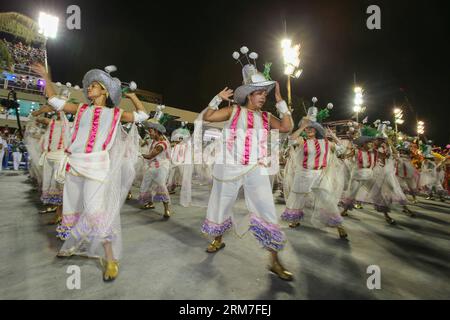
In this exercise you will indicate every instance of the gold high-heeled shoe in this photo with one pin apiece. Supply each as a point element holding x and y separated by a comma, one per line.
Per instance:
<point>129,196</point>
<point>149,205</point>
<point>111,271</point>
<point>215,246</point>
<point>294,224</point>
<point>48,210</point>
<point>281,272</point>
<point>166,213</point>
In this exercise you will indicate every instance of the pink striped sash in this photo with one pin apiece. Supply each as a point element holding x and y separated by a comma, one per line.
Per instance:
<point>263,139</point>
<point>77,121</point>
<point>94,129</point>
<point>50,136</point>
<point>324,164</point>
<point>248,137</point>
<point>61,139</point>
<point>360,159</point>
<point>233,126</point>
<point>318,152</point>
<point>305,154</point>
<point>112,129</point>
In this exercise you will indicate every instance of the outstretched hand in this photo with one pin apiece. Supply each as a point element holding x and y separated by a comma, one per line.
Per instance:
<point>226,94</point>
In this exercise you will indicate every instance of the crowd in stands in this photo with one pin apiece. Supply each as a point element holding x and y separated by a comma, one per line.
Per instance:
<point>24,55</point>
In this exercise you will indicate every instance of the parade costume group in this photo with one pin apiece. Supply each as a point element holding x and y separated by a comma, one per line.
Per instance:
<point>85,169</point>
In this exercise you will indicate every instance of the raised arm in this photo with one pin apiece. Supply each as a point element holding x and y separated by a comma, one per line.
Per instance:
<point>56,103</point>
<point>43,121</point>
<point>213,113</point>
<point>43,109</point>
<point>298,132</point>
<point>139,115</point>
<point>286,124</point>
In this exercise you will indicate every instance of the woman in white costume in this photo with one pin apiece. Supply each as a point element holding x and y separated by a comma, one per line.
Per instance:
<point>318,178</point>
<point>244,146</point>
<point>407,174</point>
<point>3,147</point>
<point>53,146</point>
<point>362,181</point>
<point>178,153</point>
<point>98,168</point>
<point>156,170</point>
<point>386,190</point>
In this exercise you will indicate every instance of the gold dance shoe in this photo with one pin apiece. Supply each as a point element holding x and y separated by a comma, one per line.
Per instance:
<point>111,271</point>
<point>281,272</point>
<point>215,246</point>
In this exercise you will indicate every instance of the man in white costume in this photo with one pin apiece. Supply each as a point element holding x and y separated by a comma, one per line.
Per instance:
<point>98,167</point>
<point>244,145</point>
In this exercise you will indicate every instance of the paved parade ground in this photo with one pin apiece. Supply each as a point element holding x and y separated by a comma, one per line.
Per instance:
<point>167,259</point>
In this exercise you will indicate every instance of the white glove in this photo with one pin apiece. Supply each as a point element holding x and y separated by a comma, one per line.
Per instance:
<point>215,102</point>
<point>56,103</point>
<point>283,108</point>
<point>140,116</point>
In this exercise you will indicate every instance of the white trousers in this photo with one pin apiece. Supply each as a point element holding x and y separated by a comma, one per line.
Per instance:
<point>259,201</point>
<point>154,185</point>
<point>17,156</point>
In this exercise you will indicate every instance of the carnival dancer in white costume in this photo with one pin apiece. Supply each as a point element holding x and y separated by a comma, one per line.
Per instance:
<point>317,176</point>
<point>17,148</point>
<point>432,177</point>
<point>179,148</point>
<point>53,146</point>
<point>3,147</point>
<point>244,147</point>
<point>33,139</point>
<point>386,190</point>
<point>407,174</point>
<point>98,168</point>
<point>156,169</point>
<point>362,181</point>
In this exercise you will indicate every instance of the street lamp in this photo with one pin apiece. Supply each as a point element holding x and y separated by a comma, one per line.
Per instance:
<point>48,27</point>
<point>420,128</point>
<point>291,64</point>
<point>398,119</point>
<point>358,101</point>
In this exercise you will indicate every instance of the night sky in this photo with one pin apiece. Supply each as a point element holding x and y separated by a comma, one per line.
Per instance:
<point>183,51</point>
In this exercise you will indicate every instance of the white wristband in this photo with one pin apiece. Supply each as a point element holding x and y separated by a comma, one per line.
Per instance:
<point>140,116</point>
<point>215,102</point>
<point>56,103</point>
<point>282,107</point>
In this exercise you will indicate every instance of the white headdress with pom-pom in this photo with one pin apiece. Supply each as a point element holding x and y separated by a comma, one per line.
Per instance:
<point>253,80</point>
